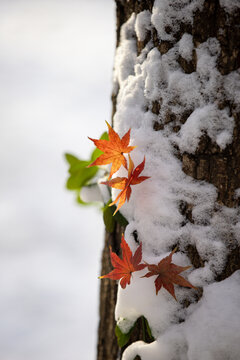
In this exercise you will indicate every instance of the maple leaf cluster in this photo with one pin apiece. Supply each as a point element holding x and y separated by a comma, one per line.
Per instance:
<point>166,272</point>
<point>113,153</point>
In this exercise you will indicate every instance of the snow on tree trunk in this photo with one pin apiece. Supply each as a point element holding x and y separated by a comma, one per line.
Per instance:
<point>177,86</point>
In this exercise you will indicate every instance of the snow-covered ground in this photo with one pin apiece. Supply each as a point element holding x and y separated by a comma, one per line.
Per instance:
<point>55,71</point>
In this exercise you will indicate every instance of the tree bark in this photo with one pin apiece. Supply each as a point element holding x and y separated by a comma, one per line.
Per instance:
<point>209,162</point>
<point>107,341</point>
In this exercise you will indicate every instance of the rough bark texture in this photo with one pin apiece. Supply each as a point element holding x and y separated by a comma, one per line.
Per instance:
<point>218,167</point>
<point>107,342</point>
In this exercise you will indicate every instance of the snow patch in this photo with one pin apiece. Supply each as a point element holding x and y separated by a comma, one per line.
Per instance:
<point>166,15</point>
<point>154,75</point>
<point>217,124</point>
<point>237,193</point>
<point>143,24</point>
<point>230,5</point>
<point>231,83</point>
<point>186,46</point>
<point>218,312</point>
<point>211,331</point>
<point>125,54</point>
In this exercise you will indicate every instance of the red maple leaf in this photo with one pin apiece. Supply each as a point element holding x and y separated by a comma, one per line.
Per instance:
<point>124,183</point>
<point>168,274</point>
<point>123,268</point>
<point>113,150</point>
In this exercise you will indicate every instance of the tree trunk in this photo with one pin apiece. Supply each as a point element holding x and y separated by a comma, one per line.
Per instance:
<point>212,163</point>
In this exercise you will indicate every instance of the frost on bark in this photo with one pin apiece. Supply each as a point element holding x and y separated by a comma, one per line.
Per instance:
<point>214,26</point>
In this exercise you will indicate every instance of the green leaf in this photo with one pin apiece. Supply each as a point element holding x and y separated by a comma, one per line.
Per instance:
<point>148,329</point>
<point>80,201</point>
<point>71,159</point>
<point>122,338</point>
<point>75,163</point>
<point>104,136</point>
<point>80,177</point>
<point>120,218</point>
<point>80,174</point>
<point>108,218</point>
<point>77,166</point>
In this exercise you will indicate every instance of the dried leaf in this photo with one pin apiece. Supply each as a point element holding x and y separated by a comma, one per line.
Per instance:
<point>123,268</point>
<point>168,275</point>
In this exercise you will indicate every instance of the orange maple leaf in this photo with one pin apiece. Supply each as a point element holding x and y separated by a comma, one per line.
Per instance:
<point>124,183</point>
<point>126,266</point>
<point>113,150</point>
<point>168,274</point>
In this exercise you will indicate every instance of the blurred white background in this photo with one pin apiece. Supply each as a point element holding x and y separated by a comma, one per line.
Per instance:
<point>56,60</point>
